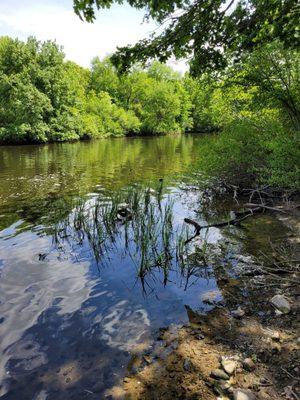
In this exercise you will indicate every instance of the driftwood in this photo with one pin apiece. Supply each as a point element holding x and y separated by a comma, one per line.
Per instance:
<point>277,209</point>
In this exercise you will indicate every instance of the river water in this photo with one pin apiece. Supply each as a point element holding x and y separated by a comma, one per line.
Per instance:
<point>83,290</point>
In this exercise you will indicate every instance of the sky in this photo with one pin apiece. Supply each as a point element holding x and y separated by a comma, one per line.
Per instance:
<point>81,41</point>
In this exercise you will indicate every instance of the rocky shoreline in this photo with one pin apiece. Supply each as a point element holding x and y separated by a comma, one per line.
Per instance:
<point>244,348</point>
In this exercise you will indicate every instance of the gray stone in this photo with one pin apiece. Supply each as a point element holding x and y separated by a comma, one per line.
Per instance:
<point>238,313</point>
<point>199,336</point>
<point>229,366</point>
<point>281,304</point>
<point>219,374</point>
<point>187,365</point>
<point>241,394</point>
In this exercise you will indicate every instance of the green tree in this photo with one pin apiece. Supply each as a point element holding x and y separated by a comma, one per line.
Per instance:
<point>201,90</point>
<point>275,70</point>
<point>23,111</point>
<point>104,77</point>
<point>34,91</point>
<point>162,106</point>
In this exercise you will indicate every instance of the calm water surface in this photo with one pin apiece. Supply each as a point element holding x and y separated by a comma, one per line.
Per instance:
<point>82,293</point>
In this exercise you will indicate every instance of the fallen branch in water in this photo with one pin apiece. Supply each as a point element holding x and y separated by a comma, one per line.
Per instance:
<point>233,221</point>
<point>237,218</point>
<point>266,207</point>
<point>194,223</point>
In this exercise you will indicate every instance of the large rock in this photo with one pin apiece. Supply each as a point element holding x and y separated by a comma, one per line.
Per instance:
<point>281,304</point>
<point>241,394</point>
<point>229,366</point>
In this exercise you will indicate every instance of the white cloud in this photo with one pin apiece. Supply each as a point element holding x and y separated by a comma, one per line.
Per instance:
<point>119,26</point>
<point>81,40</point>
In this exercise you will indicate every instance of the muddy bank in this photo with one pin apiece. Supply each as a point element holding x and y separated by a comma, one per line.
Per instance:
<point>247,346</point>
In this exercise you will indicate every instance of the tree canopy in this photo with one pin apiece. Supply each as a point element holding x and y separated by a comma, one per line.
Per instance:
<point>205,31</point>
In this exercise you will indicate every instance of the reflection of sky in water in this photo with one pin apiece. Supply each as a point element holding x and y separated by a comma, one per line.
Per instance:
<point>54,304</point>
<point>28,287</point>
<point>63,316</point>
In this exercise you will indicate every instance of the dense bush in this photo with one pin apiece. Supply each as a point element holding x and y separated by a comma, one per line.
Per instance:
<point>254,150</point>
<point>255,105</point>
<point>156,96</point>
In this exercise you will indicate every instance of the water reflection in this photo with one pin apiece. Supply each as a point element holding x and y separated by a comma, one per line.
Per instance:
<point>85,283</point>
<point>37,172</point>
<point>85,276</point>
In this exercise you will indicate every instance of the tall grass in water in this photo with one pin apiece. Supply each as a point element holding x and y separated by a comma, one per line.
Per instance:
<point>136,222</point>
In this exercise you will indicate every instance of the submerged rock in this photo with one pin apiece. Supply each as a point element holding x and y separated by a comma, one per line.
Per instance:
<point>281,304</point>
<point>241,394</point>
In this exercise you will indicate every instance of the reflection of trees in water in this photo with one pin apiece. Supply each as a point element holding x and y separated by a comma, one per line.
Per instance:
<point>35,172</point>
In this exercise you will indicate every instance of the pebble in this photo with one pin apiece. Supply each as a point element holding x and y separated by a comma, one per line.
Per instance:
<point>187,365</point>
<point>148,359</point>
<point>248,364</point>
<point>225,386</point>
<point>276,348</point>
<point>241,394</point>
<point>219,374</point>
<point>281,304</point>
<point>275,335</point>
<point>229,366</point>
<point>238,313</point>
<point>200,336</point>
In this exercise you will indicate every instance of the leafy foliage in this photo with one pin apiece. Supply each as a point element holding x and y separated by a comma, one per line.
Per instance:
<point>156,96</point>
<point>43,98</point>
<point>205,30</point>
<point>255,104</point>
<point>254,151</point>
